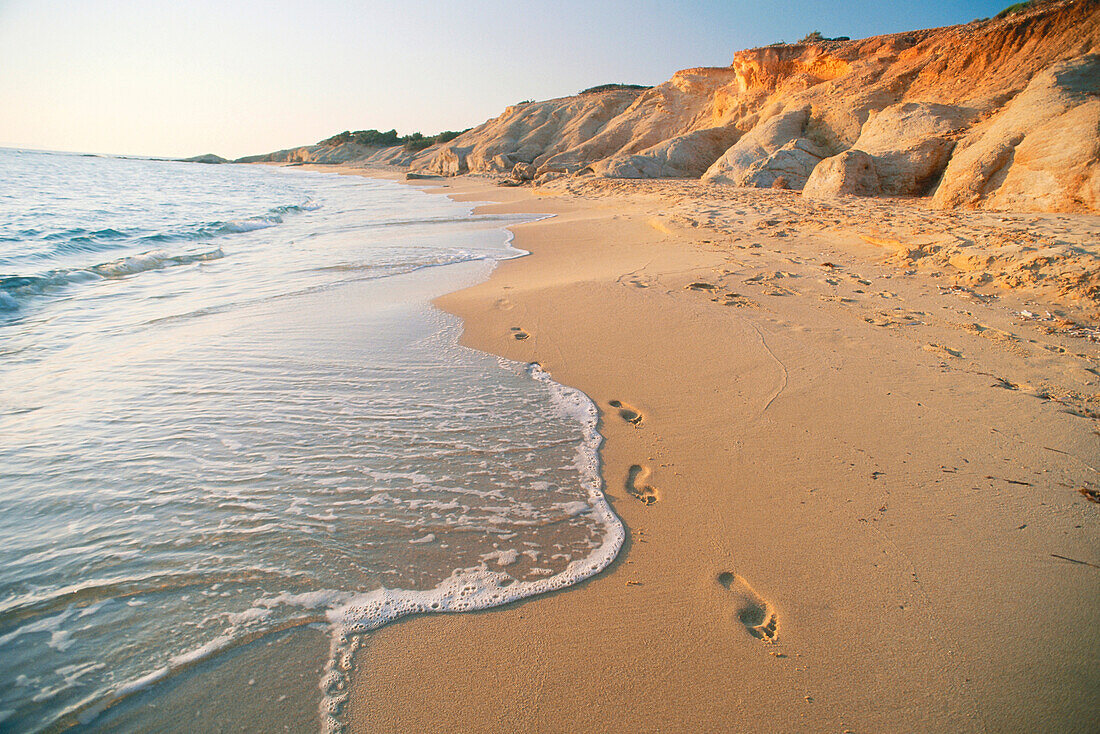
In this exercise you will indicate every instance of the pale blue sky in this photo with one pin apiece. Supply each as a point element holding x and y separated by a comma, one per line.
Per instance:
<point>182,77</point>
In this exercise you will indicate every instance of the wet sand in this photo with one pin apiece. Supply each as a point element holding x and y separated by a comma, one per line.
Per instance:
<point>856,485</point>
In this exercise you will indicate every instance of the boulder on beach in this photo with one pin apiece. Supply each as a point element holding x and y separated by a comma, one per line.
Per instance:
<point>851,173</point>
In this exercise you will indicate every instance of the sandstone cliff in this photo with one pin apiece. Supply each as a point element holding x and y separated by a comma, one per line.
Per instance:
<point>999,113</point>
<point>319,153</point>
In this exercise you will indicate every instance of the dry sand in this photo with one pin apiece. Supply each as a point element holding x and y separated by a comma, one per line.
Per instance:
<point>855,482</point>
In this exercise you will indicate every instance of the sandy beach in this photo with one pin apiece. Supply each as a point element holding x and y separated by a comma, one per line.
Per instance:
<point>860,494</point>
<point>592,367</point>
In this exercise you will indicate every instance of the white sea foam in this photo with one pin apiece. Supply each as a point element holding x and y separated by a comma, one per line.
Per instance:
<point>248,616</point>
<point>202,652</point>
<point>502,557</point>
<point>140,684</point>
<point>476,588</point>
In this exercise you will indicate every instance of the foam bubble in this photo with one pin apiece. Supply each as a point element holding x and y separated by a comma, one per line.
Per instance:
<point>60,640</point>
<point>307,600</point>
<point>249,616</point>
<point>502,557</point>
<point>572,509</point>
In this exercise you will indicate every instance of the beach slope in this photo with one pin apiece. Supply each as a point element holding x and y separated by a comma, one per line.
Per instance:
<point>860,493</point>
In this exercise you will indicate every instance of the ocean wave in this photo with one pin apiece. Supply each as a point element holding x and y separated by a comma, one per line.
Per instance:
<point>89,708</point>
<point>477,588</point>
<point>309,205</point>
<point>78,233</point>
<point>400,267</point>
<point>78,240</point>
<point>151,261</point>
<point>271,218</point>
<point>247,225</point>
<point>356,272</point>
<point>347,614</point>
<point>478,219</point>
<point>16,289</point>
<point>72,241</point>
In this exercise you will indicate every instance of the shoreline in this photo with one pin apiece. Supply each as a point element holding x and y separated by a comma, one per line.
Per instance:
<point>175,683</point>
<point>863,490</point>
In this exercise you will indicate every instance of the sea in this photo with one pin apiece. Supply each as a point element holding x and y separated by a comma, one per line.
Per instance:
<point>236,438</point>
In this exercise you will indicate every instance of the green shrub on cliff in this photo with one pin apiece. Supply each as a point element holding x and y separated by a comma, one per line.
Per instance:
<point>613,87</point>
<point>364,137</point>
<point>1013,9</point>
<point>378,139</point>
<point>416,141</point>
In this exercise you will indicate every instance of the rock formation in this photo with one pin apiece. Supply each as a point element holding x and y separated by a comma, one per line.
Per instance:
<point>319,153</point>
<point>996,113</point>
<point>772,149</point>
<point>900,151</point>
<point>1040,151</point>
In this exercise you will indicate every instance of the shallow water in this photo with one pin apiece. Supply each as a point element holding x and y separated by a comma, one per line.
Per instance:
<point>227,410</point>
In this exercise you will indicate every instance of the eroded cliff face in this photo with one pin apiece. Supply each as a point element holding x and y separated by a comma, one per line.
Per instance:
<point>998,113</point>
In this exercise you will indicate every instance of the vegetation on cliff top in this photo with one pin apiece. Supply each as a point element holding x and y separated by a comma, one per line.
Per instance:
<point>613,88</point>
<point>1013,9</point>
<point>378,139</point>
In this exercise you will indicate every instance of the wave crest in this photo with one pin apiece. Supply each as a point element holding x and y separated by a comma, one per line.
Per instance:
<point>77,240</point>
<point>16,289</point>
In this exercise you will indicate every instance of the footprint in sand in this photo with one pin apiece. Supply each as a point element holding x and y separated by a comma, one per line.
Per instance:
<point>883,320</point>
<point>519,334</point>
<point>942,351</point>
<point>757,615</point>
<point>736,299</point>
<point>636,477</point>
<point>627,413</point>
<point>638,281</point>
